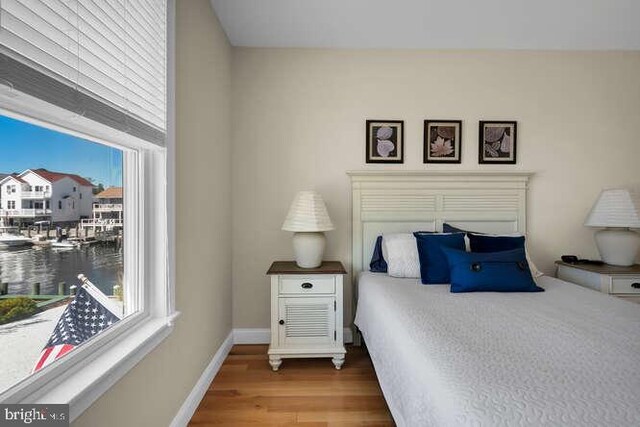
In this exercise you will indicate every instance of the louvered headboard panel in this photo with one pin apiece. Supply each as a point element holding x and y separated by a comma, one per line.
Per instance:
<point>404,201</point>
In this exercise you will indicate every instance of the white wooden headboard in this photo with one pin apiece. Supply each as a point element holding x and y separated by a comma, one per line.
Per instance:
<point>405,201</point>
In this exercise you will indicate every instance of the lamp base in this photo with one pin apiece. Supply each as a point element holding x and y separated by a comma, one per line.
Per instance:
<point>308,248</point>
<point>618,246</point>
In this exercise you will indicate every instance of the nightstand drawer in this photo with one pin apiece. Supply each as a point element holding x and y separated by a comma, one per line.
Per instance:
<point>307,285</point>
<point>625,286</point>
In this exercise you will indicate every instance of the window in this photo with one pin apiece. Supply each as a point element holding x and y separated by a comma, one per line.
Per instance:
<point>60,261</point>
<point>80,196</point>
<point>74,189</point>
<point>11,204</point>
<point>71,79</point>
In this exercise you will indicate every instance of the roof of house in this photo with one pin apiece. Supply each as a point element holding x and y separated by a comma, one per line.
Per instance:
<point>110,193</point>
<point>57,176</point>
<point>3,177</point>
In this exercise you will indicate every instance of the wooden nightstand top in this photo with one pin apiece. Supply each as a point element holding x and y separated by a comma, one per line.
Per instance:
<point>604,268</point>
<point>290,267</point>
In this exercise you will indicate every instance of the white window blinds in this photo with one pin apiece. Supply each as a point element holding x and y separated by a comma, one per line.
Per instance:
<point>103,59</point>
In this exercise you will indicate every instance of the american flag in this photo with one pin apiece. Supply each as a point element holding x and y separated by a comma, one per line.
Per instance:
<point>88,314</point>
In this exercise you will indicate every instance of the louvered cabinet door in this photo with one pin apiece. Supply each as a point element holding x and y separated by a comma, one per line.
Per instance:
<point>307,321</point>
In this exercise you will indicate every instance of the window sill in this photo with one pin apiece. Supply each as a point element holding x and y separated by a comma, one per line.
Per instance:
<point>81,387</point>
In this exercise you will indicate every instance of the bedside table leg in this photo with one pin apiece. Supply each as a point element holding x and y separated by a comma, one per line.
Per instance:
<point>338,360</point>
<point>275,362</point>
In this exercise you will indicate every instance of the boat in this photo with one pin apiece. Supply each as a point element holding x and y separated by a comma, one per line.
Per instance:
<point>10,237</point>
<point>64,244</point>
<point>41,240</point>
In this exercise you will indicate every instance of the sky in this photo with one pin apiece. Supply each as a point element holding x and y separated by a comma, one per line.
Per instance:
<point>26,146</point>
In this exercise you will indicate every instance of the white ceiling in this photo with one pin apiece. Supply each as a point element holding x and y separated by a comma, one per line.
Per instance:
<point>433,24</point>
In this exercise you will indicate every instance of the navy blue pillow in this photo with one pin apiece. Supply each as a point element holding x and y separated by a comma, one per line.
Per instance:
<point>486,243</point>
<point>481,242</point>
<point>378,264</point>
<point>505,271</point>
<point>447,228</point>
<point>433,263</point>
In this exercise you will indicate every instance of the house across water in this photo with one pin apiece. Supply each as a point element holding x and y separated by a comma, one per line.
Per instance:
<point>42,195</point>
<point>107,211</point>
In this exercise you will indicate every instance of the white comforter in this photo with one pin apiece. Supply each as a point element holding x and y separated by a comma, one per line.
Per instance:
<point>569,356</point>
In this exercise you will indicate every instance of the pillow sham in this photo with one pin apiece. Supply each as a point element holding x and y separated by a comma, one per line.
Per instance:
<point>505,271</point>
<point>487,243</point>
<point>434,268</point>
<point>378,264</point>
<point>401,255</point>
<point>483,242</point>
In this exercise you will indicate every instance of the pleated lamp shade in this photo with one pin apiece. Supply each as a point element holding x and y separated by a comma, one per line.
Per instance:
<point>618,207</point>
<point>307,213</point>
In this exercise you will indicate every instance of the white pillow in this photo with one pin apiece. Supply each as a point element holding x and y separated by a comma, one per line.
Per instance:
<point>534,270</point>
<point>400,251</point>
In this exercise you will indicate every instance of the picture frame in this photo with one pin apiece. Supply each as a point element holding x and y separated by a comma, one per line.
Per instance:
<point>385,141</point>
<point>497,142</point>
<point>442,141</point>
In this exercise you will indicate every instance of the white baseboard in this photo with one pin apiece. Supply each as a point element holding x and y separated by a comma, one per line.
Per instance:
<point>252,336</point>
<point>236,336</point>
<point>263,336</point>
<point>192,401</point>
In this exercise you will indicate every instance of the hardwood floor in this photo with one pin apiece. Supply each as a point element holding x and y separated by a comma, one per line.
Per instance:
<point>304,392</point>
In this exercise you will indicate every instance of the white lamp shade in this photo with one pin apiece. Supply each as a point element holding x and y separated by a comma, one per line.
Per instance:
<point>307,213</point>
<point>615,208</point>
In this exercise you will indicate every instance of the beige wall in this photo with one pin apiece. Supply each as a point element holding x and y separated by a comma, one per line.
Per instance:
<point>152,392</point>
<point>299,122</point>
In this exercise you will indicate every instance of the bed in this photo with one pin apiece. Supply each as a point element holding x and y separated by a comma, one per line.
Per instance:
<point>568,356</point>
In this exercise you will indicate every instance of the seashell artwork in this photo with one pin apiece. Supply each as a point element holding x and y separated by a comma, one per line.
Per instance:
<point>497,142</point>
<point>442,141</point>
<point>385,139</point>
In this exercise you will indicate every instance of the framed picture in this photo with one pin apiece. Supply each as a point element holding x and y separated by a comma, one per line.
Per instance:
<point>497,142</point>
<point>385,141</point>
<point>442,142</point>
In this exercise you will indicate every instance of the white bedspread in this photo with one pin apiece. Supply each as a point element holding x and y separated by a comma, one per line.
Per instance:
<point>569,356</point>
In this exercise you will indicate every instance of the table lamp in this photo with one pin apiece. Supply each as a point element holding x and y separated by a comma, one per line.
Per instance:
<point>617,210</point>
<point>308,219</point>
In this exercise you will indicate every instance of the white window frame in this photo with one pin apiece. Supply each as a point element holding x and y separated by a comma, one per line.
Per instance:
<point>83,375</point>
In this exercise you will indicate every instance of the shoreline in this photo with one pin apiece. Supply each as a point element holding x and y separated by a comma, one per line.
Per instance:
<point>21,343</point>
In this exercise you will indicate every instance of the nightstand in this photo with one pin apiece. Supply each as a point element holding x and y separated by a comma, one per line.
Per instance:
<point>306,312</point>
<point>623,282</point>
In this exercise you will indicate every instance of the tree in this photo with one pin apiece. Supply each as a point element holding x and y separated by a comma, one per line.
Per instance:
<point>98,188</point>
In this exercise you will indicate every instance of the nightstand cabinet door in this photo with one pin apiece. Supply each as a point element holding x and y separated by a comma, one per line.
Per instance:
<point>306,320</point>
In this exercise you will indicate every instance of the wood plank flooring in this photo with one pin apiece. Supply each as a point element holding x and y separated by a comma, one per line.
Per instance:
<point>304,392</point>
